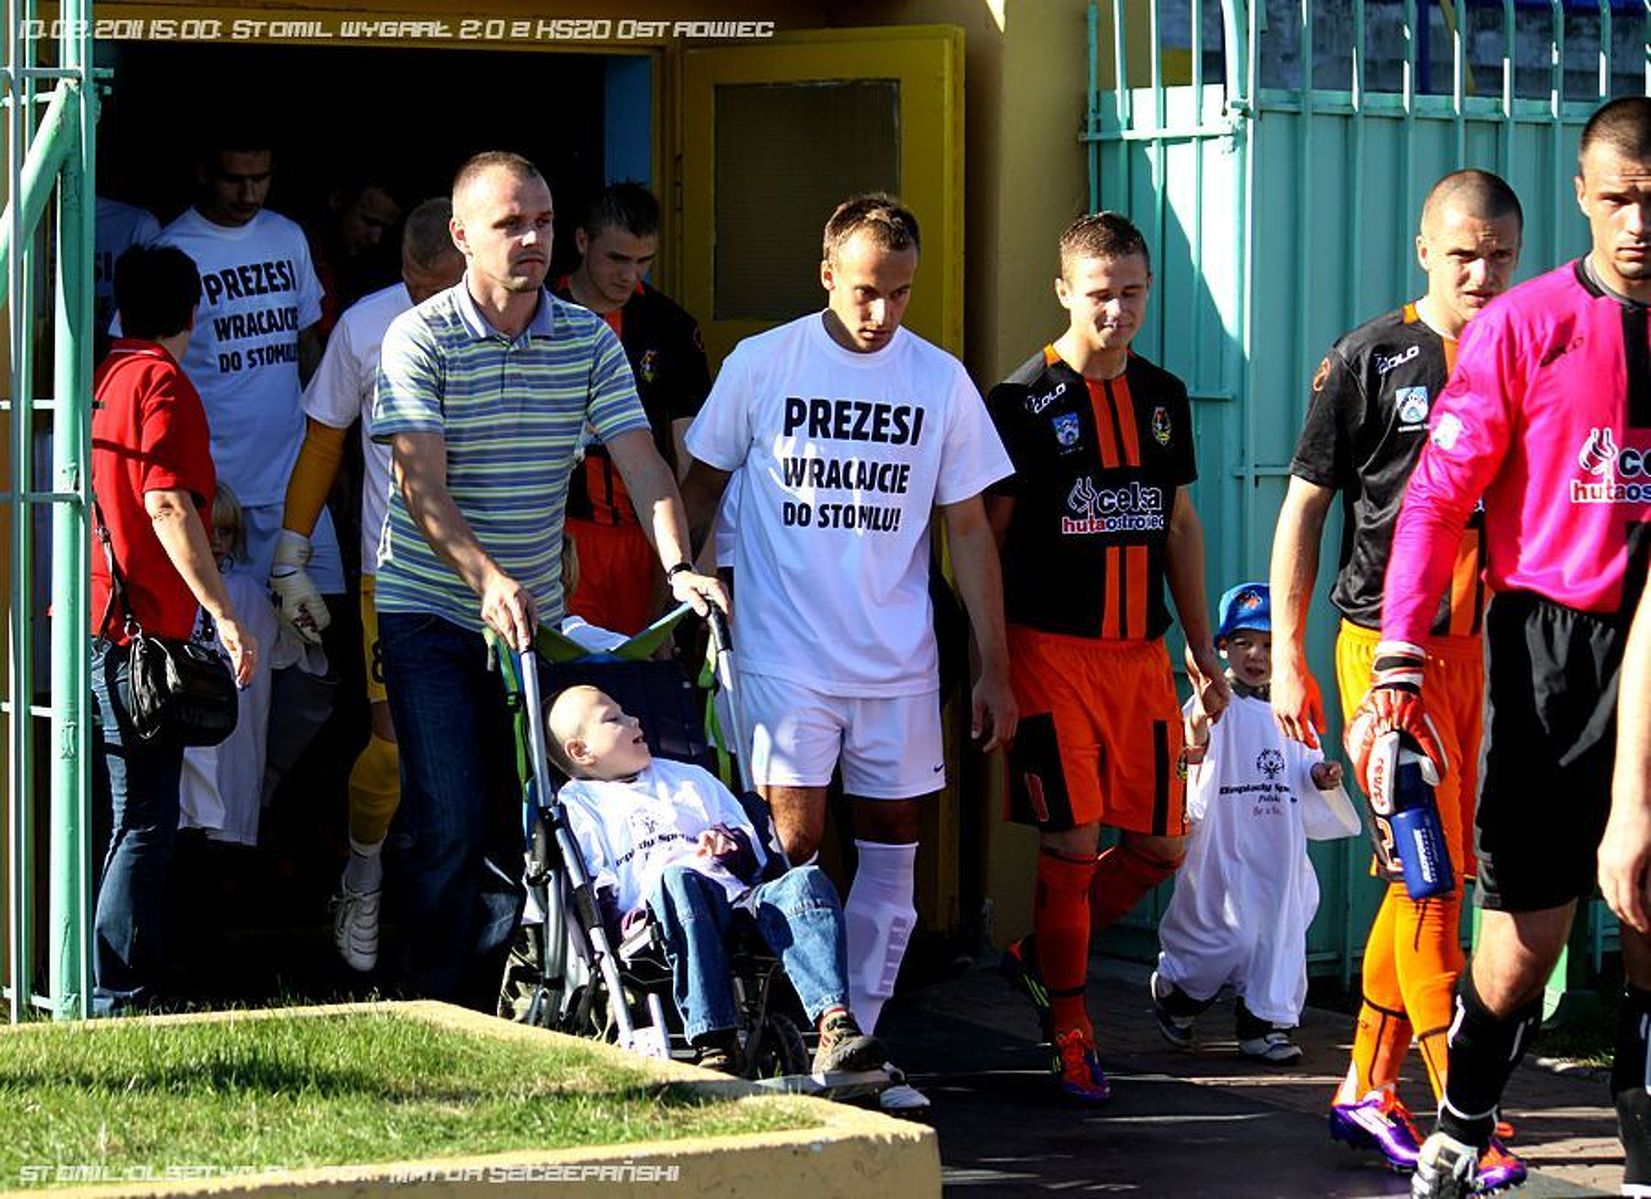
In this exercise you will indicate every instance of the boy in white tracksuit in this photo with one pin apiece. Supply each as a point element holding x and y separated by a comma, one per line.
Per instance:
<point>1246,892</point>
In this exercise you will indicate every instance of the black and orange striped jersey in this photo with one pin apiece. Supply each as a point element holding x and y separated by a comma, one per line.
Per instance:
<point>1366,425</point>
<point>667,356</point>
<point>1097,465</point>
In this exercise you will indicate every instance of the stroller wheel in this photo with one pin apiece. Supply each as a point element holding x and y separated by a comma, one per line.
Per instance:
<point>779,1049</point>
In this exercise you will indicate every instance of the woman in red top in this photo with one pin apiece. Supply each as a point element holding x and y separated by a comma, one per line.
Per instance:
<point>153,478</point>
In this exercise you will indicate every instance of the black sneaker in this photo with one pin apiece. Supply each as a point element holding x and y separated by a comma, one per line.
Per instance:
<point>720,1051</point>
<point>843,1047</point>
<point>1173,1027</point>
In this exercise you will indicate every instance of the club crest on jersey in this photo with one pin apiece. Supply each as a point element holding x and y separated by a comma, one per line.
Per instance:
<point>1160,425</point>
<point>1270,763</point>
<point>1067,428</point>
<point>1412,405</point>
<point>648,368</point>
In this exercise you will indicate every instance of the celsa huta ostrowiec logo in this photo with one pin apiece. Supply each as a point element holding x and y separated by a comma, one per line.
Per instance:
<point>1132,508</point>
<point>1612,474</point>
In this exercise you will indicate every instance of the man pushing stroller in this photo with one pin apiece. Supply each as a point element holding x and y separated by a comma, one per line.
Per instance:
<point>669,838</point>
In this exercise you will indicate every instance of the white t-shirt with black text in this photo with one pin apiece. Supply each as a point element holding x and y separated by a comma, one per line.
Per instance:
<point>258,291</point>
<point>845,456</point>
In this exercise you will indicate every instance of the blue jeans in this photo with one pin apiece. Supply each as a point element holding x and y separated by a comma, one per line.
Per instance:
<point>797,915</point>
<point>138,783</point>
<point>459,893</point>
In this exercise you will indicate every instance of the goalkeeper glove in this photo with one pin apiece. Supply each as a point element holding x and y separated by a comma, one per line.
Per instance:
<point>297,602</point>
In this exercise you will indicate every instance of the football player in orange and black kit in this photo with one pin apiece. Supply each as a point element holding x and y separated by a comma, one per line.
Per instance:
<point>1093,524</point>
<point>1367,421</point>
<point>620,583</point>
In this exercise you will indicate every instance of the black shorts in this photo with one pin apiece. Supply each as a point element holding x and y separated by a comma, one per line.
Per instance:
<point>1550,736</point>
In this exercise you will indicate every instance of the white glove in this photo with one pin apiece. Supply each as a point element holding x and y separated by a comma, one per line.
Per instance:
<point>297,602</point>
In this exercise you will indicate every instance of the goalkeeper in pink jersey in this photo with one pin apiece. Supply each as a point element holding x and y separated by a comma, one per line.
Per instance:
<point>1548,417</point>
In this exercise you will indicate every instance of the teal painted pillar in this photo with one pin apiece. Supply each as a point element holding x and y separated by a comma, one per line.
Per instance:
<point>69,946</point>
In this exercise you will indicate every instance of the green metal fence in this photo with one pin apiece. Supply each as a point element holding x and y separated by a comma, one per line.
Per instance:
<point>1281,214</point>
<point>51,117</point>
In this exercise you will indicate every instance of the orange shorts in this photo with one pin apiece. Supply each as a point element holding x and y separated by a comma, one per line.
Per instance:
<point>617,569</point>
<point>1100,735</point>
<point>1454,690</point>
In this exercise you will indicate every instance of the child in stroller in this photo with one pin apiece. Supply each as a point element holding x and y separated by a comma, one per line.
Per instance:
<point>667,837</point>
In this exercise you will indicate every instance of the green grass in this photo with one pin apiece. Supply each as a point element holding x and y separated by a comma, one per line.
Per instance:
<point>290,1092</point>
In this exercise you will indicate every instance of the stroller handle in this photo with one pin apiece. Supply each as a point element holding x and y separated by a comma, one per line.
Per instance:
<point>722,653</point>
<point>722,641</point>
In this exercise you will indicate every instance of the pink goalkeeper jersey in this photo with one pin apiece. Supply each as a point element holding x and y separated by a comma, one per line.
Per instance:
<point>1548,417</point>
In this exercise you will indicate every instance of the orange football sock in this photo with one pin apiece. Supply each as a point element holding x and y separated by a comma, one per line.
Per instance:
<point>1429,955</point>
<point>1060,919</point>
<point>1122,875</point>
<point>1411,963</point>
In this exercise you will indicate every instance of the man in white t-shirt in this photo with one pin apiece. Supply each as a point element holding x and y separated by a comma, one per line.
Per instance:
<point>340,394</point>
<point>851,431</point>
<point>260,300</point>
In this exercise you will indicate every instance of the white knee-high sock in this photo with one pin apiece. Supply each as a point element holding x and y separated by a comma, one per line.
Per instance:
<point>879,917</point>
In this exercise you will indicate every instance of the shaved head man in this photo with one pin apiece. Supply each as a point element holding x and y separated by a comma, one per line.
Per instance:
<point>1367,422</point>
<point>484,393</point>
<point>1468,245</point>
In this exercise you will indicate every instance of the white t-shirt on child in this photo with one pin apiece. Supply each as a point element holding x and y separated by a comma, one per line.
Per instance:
<point>630,831</point>
<point>845,456</point>
<point>1246,892</point>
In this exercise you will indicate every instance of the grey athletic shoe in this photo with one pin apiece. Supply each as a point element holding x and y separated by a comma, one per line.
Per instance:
<point>1275,1048</point>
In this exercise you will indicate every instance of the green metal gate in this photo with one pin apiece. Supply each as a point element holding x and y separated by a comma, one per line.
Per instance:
<point>51,116</point>
<point>1276,155</point>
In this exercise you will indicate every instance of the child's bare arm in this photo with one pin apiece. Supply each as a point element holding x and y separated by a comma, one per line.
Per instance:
<point>1197,730</point>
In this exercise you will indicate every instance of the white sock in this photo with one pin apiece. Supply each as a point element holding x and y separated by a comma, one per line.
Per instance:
<point>879,917</point>
<point>364,872</point>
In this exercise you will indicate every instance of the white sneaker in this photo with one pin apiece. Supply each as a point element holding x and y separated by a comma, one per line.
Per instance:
<point>1276,1048</point>
<point>900,1098</point>
<point>1446,1169</point>
<point>355,927</point>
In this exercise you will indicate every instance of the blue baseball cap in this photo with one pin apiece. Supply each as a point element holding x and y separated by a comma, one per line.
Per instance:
<point>1246,606</point>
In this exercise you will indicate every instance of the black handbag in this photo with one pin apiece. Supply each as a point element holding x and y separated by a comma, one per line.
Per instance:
<point>177,692</point>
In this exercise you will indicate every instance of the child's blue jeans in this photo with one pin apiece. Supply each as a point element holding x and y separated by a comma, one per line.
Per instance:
<point>798,916</point>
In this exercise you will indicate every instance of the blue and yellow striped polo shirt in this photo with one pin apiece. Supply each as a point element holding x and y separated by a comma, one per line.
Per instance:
<point>511,411</point>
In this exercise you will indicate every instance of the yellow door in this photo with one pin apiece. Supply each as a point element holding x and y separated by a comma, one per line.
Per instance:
<point>775,135</point>
<point>773,138</point>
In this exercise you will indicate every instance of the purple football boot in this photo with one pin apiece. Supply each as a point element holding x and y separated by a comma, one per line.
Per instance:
<point>1498,1169</point>
<point>1381,1122</point>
